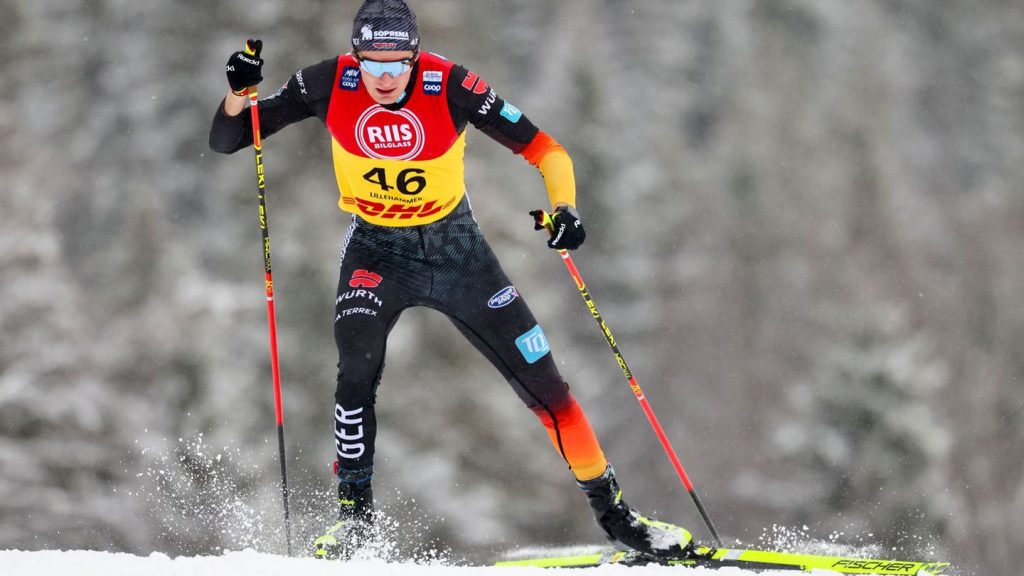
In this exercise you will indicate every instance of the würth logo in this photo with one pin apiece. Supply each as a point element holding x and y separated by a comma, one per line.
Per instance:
<point>474,83</point>
<point>364,279</point>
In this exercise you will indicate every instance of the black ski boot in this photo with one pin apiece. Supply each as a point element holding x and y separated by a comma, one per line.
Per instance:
<point>624,525</point>
<point>355,521</point>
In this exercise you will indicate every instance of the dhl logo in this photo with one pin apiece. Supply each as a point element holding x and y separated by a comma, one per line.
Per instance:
<point>397,210</point>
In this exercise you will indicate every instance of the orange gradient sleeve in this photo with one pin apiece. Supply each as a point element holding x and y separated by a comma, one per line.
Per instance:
<point>555,166</point>
<point>574,439</point>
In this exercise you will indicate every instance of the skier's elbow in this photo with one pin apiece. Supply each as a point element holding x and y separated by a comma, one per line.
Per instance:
<point>217,144</point>
<point>228,133</point>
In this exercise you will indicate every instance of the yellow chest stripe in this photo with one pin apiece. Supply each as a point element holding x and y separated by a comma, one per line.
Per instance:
<point>400,192</point>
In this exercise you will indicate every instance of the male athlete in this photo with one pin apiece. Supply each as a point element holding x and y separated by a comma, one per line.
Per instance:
<point>397,119</point>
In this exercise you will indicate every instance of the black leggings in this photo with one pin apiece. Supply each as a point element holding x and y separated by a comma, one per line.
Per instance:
<point>447,266</point>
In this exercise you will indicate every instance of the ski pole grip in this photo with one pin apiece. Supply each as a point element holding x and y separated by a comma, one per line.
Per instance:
<point>253,48</point>
<point>542,220</point>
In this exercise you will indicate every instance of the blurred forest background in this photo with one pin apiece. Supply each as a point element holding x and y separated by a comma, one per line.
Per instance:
<point>805,226</point>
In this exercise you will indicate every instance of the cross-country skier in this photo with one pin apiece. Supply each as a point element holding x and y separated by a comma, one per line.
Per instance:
<point>397,119</point>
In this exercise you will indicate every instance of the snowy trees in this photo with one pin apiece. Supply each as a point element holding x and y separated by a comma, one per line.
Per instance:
<point>868,439</point>
<point>784,200</point>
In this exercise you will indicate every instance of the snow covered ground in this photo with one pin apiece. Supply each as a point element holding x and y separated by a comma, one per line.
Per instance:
<point>251,563</point>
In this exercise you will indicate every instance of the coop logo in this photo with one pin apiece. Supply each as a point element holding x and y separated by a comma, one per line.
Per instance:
<point>432,80</point>
<point>503,298</point>
<point>349,79</point>
<point>365,279</point>
<point>533,344</point>
<point>389,135</point>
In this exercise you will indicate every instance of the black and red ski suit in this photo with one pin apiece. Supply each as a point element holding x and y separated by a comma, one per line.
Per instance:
<point>443,263</point>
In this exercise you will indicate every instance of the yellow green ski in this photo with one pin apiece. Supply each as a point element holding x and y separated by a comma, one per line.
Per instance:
<point>756,560</point>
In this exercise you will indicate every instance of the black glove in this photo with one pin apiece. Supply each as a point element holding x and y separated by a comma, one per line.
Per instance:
<point>567,231</point>
<point>245,67</point>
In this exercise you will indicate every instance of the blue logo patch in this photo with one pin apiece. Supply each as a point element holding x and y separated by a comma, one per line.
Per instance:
<point>533,344</point>
<point>432,80</point>
<point>512,113</point>
<point>349,78</point>
<point>503,298</point>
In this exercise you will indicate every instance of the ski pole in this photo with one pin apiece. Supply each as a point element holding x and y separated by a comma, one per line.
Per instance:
<point>275,371</point>
<point>544,219</point>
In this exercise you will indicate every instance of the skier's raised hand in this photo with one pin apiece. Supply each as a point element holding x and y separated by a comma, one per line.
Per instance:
<point>245,67</point>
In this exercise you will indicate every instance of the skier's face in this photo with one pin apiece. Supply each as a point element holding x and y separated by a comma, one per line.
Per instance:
<point>386,73</point>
